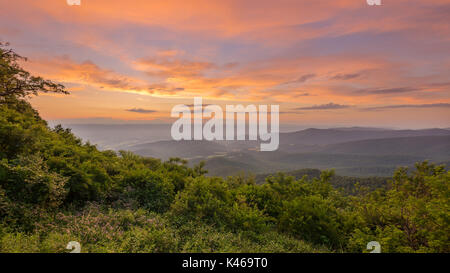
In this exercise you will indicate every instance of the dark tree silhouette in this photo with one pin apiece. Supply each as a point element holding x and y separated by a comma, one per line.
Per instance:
<point>15,82</point>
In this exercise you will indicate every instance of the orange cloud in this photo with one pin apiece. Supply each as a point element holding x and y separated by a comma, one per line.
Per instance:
<point>263,20</point>
<point>66,70</point>
<point>289,51</point>
<point>172,68</point>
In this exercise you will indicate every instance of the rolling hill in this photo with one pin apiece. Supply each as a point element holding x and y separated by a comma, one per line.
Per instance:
<point>351,151</point>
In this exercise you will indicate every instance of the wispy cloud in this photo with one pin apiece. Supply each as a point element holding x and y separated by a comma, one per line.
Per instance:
<point>382,91</point>
<point>172,67</point>
<point>329,106</point>
<point>301,94</point>
<point>302,78</point>
<point>290,112</point>
<point>345,77</point>
<point>87,72</point>
<point>401,106</point>
<point>141,110</point>
<point>192,105</point>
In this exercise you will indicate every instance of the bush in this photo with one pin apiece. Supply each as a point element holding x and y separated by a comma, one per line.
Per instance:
<point>150,189</point>
<point>411,216</point>
<point>27,180</point>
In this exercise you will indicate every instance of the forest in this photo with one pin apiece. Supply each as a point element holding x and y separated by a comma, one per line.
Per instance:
<point>56,188</point>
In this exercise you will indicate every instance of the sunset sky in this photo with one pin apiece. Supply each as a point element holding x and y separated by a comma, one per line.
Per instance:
<point>325,62</point>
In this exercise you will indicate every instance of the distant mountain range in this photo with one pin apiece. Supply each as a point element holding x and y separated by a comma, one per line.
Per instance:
<point>351,151</point>
<point>119,136</point>
<point>329,136</point>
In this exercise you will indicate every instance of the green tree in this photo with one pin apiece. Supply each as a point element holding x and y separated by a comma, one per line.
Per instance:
<point>15,82</point>
<point>412,215</point>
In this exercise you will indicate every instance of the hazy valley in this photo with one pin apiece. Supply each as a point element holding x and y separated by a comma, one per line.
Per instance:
<point>353,151</point>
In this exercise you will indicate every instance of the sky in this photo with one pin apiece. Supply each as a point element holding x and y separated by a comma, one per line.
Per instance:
<point>328,63</point>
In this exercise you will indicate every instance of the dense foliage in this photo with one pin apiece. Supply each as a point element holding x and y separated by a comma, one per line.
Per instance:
<point>54,189</point>
<point>347,184</point>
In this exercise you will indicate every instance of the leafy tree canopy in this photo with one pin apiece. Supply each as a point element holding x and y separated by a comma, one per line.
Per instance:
<point>18,83</point>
